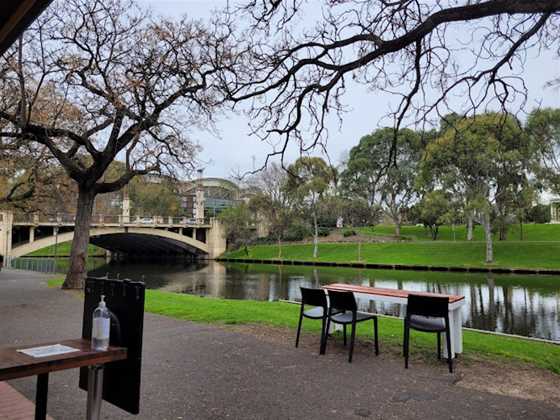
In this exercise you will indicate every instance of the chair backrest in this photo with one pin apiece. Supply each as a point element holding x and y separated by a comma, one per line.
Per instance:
<point>437,306</point>
<point>343,301</point>
<point>313,297</point>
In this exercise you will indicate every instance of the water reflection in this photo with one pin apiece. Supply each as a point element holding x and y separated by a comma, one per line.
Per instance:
<point>524,305</point>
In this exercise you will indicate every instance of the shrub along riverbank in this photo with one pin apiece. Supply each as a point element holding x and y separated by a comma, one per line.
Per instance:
<point>285,315</point>
<point>520,255</point>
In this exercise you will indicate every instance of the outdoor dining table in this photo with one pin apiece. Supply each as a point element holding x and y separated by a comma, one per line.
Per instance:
<point>400,296</point>
<point>15,364</point>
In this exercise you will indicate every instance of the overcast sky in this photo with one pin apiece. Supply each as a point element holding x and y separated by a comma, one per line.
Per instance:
<point>236,150</point>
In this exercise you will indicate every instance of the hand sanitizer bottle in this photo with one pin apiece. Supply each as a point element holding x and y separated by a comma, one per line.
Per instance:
<point>100,326</point>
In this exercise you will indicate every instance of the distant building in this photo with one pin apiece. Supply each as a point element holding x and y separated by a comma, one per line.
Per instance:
<point>216,194</point>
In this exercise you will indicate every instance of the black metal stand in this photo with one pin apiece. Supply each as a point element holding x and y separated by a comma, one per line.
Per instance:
<point>41,396</point>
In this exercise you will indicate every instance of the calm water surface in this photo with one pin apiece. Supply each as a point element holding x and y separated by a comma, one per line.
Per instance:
<point>526,305</point>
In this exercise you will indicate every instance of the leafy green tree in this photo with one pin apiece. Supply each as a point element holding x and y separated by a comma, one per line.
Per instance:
<point>539,213</point>
<point>238,226</point>
<point>523,200</point>
<point>370,177</point>
<point>154,198</point>
<point>309,180</point>
<point>330,208</point>
<point>131,87</point>
<point>434,208</point>
<point>480,160</point>
<point>358,212</point>
<point>543,127</point>
<point>366,165</point>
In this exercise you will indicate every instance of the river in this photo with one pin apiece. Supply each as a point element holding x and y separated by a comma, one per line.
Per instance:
<point>526,305</point>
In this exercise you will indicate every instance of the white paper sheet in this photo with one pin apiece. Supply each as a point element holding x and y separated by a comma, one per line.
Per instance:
<point>45,351</point>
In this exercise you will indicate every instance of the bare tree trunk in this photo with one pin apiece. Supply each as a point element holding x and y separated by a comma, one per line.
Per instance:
<point>453,229</point>
<point>470,226</point>
<point>279,247</point>
<point>397,228</point>
<point>503,229</point>
<point>315,235</point>
<point>488,236</point>
<point>76,275</point>
<point>521,228</point>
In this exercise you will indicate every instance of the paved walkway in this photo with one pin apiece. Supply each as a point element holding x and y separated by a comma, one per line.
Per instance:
<point>14,406</point>
<point>194,371</point>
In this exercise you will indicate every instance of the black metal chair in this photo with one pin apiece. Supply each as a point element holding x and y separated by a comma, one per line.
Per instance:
<point>345,304</point>
<point>318,299</point>
<point>428,314</point>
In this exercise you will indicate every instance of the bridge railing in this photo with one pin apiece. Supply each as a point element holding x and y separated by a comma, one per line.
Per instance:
<point>102,219</point>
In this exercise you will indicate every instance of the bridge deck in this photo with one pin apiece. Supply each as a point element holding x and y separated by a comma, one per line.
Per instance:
<point>129,224</point>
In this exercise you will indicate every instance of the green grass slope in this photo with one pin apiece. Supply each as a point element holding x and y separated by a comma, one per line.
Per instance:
<point>531,232</point>
<point>63,250</point>
<point>532,255</point>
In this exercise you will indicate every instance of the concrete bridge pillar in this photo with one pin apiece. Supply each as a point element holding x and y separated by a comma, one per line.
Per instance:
<point>31,234</point>
<point>6,225</point>
<point>125,207</point>
<point>216,239</point>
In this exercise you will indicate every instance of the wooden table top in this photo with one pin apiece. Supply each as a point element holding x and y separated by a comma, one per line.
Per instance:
<point>14,364</point>
<point>380,291</point>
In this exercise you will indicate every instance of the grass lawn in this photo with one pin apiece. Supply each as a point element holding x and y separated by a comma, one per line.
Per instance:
<point>63,250</point>
<point>285,315</point>
<point>433,253</point>
<point>531,232</point>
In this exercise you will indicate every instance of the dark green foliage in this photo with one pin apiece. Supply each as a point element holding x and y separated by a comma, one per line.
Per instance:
<point>297,232</point>
<point>539,214</point>
<point>324,231</point>
<point>237,223</point>
<point>348,232</point>
<point>433,210</point>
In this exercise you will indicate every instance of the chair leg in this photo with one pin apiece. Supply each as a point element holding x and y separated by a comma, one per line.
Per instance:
<point>376,336</point>
<point>327,328</point>
<point>448,341</point>
<point>439,346</point>
<point>406,343</point>
<point>352,339</point>
<point>323,336</point>
<point>299,328</point>
<point>344,333</point>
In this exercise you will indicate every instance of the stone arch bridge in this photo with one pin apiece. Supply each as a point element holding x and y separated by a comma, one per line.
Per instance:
<point>150,236</point>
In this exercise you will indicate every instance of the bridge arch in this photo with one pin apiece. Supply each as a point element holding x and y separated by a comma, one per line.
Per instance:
<point>142,241</point>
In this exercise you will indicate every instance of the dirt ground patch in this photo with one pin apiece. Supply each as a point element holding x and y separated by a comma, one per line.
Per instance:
<point>500,377</point>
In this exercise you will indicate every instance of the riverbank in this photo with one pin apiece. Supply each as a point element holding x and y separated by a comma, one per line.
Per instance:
<point>63,250</point>
<point>285,315</point>
<point>211,370</point>
<point>510,257</point>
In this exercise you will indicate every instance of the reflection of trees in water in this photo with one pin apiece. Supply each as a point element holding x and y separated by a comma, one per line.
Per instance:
<point>497,303</point>
<point>511,310</point>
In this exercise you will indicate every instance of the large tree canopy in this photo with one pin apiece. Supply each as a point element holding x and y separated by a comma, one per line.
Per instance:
<point>434,56</point>
<point>367,176</point>
<point>134,85</point>
<point>485,161</point>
